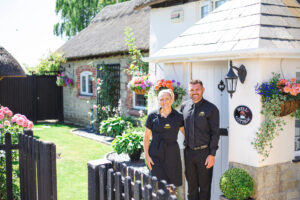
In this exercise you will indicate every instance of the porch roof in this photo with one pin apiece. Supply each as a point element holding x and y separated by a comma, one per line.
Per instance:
<point>239,29</point>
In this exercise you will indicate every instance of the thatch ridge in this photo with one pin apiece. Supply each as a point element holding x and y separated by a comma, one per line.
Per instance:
<point>9,66</point>
<point>105,34</point>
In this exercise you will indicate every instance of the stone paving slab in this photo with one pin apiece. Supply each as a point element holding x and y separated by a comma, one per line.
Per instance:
<point>88,133</point>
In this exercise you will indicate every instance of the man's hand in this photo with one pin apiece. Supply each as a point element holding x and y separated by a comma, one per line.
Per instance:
<point>210,161</point>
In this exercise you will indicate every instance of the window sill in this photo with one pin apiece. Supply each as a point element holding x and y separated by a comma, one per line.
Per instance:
<point>86,97</point>
<point>296,159</point>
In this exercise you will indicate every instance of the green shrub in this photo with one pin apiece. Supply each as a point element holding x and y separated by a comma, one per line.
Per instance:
<point>114,126</point>
<point>236,184</point>
<point>128,142</point>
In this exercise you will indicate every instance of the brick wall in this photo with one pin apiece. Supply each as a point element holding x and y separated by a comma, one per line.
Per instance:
<point>275,182</point>
<point>76,106</point>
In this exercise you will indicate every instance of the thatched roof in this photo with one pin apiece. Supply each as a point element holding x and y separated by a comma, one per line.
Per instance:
<point>144,3</point>
<point>105,34</point>
<point>9,66</point>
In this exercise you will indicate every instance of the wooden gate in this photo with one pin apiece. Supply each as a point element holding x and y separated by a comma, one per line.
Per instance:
<point>37,164</point>
<point>37,97</point>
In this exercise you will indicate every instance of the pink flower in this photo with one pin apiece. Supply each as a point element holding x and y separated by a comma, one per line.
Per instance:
<point>98,80</point>
<point>25,123</point>
<point>14,119</point>
<point>20,121</point>
<point>1,116</point>
<point>103,108</point>
<point>6,123</point>
<point>94,107</point>
<point>1,126</point>
<point>30,125</point>
<point>98,88</point>
<point>9,113</point>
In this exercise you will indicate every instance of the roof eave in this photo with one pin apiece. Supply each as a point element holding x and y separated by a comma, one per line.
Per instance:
<point>226,55</point>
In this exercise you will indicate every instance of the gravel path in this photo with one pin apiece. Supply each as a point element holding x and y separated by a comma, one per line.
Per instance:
<point>84,132</point>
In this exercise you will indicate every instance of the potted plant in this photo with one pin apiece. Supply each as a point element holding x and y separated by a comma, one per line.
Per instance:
<point>236,184</point>
<point>279,97</point>
<point>140,84</point>
<point>114,126</point>
<point>130,143</point>
<point>178,90</point>
<point>63,80</point>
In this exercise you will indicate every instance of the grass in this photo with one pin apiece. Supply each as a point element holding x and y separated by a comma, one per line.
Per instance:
<point>76,151</point>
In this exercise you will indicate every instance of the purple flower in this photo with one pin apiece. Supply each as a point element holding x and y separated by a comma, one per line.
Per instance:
<point>173,81</point>
<point>178,83</point>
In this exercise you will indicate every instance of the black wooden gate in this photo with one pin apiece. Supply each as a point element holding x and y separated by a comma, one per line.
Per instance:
<point>37,97</point>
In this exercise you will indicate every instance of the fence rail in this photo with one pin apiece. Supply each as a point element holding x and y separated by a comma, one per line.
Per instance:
<point>37,164</point>
<point>115,181</point>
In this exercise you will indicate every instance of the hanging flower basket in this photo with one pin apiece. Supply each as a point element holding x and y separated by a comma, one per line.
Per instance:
<point>140,84</point>
<point>140,91</point>
<point>289,107</point>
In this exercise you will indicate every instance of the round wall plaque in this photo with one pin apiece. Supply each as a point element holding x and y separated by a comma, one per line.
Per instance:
<point>242,115</point>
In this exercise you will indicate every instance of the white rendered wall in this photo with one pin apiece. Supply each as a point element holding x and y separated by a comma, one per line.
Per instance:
<point>240,136</point>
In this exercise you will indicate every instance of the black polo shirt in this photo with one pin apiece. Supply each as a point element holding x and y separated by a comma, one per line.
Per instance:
<point>165,128</point>
<point>201,124</point>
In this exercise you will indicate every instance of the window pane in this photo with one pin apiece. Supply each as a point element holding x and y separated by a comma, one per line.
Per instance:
<point>90,84</point>
<point>83,84</point>
<point>204,11</point>
<point>219,3</point>
<point>140,100</point>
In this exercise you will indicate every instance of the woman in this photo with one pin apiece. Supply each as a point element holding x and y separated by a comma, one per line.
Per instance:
<point>163,155</point>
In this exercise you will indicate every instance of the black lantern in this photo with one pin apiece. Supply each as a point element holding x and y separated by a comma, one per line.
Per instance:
<point>231,78</point>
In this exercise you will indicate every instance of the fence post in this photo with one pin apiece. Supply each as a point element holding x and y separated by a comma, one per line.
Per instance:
<point>118,186</point>
<point>110,184</point>
<point>21,165</point>
<point>137,190</point>
<point>148,192</point>
<point>103,182</point>
<point>93,178</point>
<point>8,166</point>
<point>127,188</point>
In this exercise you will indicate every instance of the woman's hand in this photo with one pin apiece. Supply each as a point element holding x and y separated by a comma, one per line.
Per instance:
<point>149,162</point>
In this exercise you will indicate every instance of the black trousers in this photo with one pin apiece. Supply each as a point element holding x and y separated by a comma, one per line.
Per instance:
<point>199,178</point>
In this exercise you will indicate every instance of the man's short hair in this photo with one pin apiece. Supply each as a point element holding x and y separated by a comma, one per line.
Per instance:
<point>197,81</point>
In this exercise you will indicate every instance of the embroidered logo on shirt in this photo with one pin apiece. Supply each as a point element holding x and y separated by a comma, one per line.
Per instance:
<point>167,126</point>
<point>201,114</point>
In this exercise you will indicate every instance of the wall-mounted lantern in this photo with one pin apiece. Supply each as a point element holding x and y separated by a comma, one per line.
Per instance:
<point>231,78</point>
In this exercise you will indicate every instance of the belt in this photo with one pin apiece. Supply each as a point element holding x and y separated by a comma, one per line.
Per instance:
<point>199,147</point>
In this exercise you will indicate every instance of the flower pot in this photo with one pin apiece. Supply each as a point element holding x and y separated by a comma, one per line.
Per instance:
<point>137,91</point>
<point>288,107</point>
<point>136,155</point>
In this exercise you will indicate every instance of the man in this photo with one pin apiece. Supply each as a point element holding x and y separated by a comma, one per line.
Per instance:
<point>201,124</point>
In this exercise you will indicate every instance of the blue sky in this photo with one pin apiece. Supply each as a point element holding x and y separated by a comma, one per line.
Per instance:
<point>26,29</point>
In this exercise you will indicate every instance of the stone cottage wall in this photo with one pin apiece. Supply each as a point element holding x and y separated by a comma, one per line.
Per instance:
<point>76,107</point>
<point>275,182</point>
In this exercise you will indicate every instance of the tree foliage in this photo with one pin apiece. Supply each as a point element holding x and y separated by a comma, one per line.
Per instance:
<point>50,64</point>
<point>77,14</point>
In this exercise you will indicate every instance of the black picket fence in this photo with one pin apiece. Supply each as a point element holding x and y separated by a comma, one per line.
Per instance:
<point>37,164</point>
<point>115,181</point>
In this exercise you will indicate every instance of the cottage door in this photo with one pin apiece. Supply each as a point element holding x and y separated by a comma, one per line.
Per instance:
<point>211,74</point>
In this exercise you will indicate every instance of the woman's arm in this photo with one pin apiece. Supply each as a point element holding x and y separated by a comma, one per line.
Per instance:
<point>147,137</point>
<point>182,130</point>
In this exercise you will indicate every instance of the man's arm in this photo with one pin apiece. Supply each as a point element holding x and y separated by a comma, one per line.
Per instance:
<point>214,123</point>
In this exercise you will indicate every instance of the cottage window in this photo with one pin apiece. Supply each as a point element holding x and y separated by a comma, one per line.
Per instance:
<point>139,101</point>
<point>204,11</point>
<point>219,3</point>
<point>86,83</point>
<point>297,127</point>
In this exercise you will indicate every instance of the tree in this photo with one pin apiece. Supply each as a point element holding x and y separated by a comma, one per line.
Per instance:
<point>77,14</point>
<point>49,65</point>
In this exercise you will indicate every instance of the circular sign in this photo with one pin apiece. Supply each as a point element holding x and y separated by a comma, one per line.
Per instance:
<point>242,115</point>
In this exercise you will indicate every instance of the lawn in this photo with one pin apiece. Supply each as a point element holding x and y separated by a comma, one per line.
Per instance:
<point>76,151</point>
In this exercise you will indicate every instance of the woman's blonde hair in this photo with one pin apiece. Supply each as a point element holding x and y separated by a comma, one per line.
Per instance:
<point>166,91</point>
